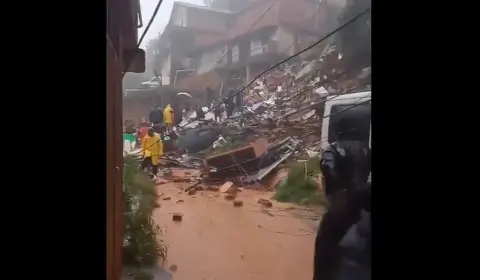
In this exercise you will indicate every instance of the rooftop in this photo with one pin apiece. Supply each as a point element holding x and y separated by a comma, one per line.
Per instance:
<point>201,7</point>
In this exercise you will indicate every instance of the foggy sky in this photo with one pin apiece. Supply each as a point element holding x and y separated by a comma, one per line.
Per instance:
<point>163,15</point>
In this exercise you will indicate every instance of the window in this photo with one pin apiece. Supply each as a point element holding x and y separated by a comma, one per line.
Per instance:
<point>258,47</point>
<point>181,17</point>
<point>235,53</point>
<point>358,116</point>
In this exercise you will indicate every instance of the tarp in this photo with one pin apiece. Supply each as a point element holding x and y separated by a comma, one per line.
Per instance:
<point>197,139</point>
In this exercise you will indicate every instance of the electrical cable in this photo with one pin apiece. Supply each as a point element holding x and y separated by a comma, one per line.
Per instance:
<point>290,57</point>
<point>323,117</point>
<point>143,34</point>
<point>303,91</point>
<point>285,60</point>
<point>248,30</point>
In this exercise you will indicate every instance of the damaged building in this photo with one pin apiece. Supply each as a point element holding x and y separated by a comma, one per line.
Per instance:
<point>225,48</point>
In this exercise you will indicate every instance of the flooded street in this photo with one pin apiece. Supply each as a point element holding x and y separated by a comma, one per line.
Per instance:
<point>217,241</point>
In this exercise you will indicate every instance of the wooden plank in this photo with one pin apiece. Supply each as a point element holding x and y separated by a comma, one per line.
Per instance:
<point>114,165</point>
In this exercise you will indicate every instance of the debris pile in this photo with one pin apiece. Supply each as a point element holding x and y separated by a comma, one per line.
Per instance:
<point>280,121</point>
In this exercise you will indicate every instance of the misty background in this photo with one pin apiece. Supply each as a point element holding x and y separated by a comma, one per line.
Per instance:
<point>354,39</point>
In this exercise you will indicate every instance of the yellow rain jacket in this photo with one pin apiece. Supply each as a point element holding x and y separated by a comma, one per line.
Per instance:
<point>152,146</point>
<point>168,115</point>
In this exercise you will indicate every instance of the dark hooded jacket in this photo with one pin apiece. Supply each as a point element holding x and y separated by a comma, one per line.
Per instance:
<point>342,245</point>
<point>345,165</point>
<point>156,115</point>
<point>355,247</point>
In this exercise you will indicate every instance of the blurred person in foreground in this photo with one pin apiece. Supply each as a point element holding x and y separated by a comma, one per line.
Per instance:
<point>142,131</point>
<point>152,149</point>
<point>342,245</point>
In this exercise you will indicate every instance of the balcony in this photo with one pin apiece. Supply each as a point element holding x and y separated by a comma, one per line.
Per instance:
<point>264,52</point>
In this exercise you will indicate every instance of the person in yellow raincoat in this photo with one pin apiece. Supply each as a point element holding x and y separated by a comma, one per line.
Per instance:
<point>152,149</point>
<point>168,117</point>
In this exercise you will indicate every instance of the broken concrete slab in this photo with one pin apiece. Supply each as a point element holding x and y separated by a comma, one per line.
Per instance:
<point>226,188</point>
<point>273,182</point>
<point>193,186</point>
<point>161,181</point>
<point>234,157</point>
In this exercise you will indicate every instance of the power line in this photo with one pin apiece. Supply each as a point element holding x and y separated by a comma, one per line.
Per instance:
<point>287,59</point>
<point>143,34</point>
<point>323,117</point>
<point>290,57</point>
<point>305,90</point>
<point>317,85</point>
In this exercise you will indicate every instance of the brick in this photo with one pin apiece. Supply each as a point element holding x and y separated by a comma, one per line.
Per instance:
<point>173,267</point>
<point>237,203</point>
<point>265,202</point>
<point>177,217</point>
<point>225,188</point>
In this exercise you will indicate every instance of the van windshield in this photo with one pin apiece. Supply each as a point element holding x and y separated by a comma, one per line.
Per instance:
<point>358,116</point>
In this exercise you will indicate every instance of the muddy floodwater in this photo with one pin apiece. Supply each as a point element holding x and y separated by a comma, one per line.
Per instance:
<point>217,241</point>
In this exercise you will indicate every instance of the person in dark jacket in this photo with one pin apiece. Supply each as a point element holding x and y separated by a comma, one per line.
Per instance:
<point>229,104</point>
<point>200,113</point>
<point>239,101</point>
<point>210,95</point>
<point>218,111</point>
<point>338,255</point>
<point>355,262</point>
<point>177,111</point>
<point>345,165</point>
<point>156,115</point>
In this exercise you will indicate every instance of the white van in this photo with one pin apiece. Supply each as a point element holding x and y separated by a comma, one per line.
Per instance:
<point>353,105</point>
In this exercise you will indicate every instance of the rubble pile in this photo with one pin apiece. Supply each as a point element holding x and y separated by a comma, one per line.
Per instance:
<point>280,121</point>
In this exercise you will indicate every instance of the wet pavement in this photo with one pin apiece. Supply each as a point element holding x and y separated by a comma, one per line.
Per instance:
<point>217,241</point>
<point>158,273</point>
